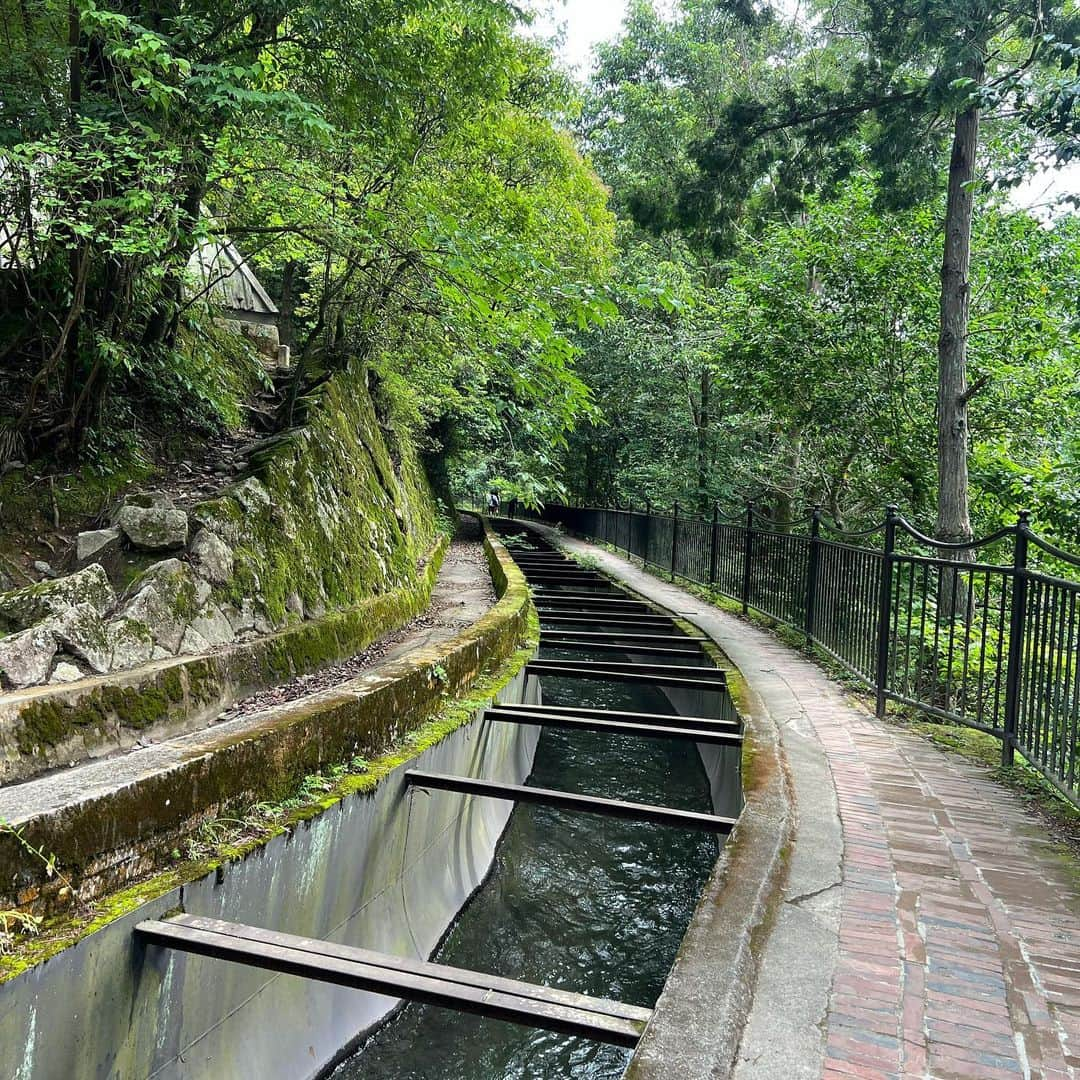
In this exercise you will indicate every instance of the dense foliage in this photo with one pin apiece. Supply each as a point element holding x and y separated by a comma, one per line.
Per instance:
<point>782,294</point>
<point>827,395</point>
<point>394,171</point>
<point>772,300</point>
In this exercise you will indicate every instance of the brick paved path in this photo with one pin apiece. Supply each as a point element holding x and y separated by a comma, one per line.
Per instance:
<point>955,949</point>
<point>959,928</point>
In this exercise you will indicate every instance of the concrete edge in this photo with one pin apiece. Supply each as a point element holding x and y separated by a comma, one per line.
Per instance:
<point>697,1023</point>
<point>45,727</point>
<point>709,989</point>
<point>106,841</point>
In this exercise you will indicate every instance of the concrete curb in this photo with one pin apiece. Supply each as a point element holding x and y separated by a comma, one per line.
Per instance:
<point>107,839</point>
<point>710,988</point>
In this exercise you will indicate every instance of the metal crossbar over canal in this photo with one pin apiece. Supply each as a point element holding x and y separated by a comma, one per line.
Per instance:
<point>592,601</point>
<point>396,976</point>
<point>616,723</point>
<point>568,800</point>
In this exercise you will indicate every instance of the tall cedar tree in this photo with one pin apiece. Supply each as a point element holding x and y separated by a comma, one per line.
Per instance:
<point>920,76</point>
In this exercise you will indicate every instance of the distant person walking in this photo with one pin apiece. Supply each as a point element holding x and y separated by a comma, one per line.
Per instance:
<point>493,502</point>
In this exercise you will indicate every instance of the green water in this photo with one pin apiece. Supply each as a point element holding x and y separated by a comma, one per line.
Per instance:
<point>584,903</point>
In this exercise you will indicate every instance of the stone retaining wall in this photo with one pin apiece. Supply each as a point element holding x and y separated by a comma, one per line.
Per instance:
<point>47,727</point>
<point>325,544</point>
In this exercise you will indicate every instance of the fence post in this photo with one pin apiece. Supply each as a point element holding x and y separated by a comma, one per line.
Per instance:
<point>715,543</point>
<point>812,573</point>
<point>1017,632</point>
<point>648,532</point>
<point>885,608</point>
<point>674,534</point>
<point>748,554</point>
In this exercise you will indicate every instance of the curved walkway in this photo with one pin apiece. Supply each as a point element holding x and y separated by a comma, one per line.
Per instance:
<point>928,926</point>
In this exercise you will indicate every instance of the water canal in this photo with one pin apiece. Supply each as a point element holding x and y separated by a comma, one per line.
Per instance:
<point>590,904</point>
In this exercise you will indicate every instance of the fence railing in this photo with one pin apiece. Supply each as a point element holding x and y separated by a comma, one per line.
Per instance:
<point>985,633</point>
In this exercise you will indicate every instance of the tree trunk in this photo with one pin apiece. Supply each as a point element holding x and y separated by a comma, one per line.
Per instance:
<point>164,322</point>
<point>704,419</point>
<point>789,481</point>
<point>953,520</point>
<point>74,59</point>
<point>953,517</point>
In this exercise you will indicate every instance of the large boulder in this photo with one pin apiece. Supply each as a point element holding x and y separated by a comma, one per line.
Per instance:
<point>149,498</point>
<point>131,642</point>
<point>242,618</point>
<point>211,557</point>
<point>65,673</point>
<point>154,528</point>
<point>82,632</point>
<point>166,627</point>
<point>212,626</point>
<point>165,600</point>
<point>174,580</point>
<point>25,607</point>
<point>194,644</point>
<point>227,514</point>
<point>26,658</point>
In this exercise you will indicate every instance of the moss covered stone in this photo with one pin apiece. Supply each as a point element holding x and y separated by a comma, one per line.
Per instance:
<point>23,608</point>
<point>328,519</point>
<point>51,723</point>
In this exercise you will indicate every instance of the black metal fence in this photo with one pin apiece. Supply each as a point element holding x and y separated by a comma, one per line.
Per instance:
<point>985,633</point>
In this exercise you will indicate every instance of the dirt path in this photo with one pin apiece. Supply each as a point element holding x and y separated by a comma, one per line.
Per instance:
<point>463,592</point>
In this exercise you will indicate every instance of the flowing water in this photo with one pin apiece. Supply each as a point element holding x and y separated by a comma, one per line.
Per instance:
<point>589,904</point>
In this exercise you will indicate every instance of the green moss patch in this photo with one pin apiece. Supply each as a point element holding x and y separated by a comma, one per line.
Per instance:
<point>327,516</point>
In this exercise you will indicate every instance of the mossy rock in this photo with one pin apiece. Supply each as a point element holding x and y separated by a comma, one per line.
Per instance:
<point>26,607</point>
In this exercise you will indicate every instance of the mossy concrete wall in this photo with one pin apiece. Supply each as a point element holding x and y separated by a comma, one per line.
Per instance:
<point>386,871</point>
<point>47,727</point>
<point>104,841</point>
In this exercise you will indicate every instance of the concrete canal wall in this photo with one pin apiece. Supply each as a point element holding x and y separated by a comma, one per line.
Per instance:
<point>387,870</point>
<point>723,764</point>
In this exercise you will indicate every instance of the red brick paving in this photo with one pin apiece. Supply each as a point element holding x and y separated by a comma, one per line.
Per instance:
<point>959,928</point>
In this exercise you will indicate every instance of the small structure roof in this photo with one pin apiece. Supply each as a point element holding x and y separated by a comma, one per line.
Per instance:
<point>227,278</point>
